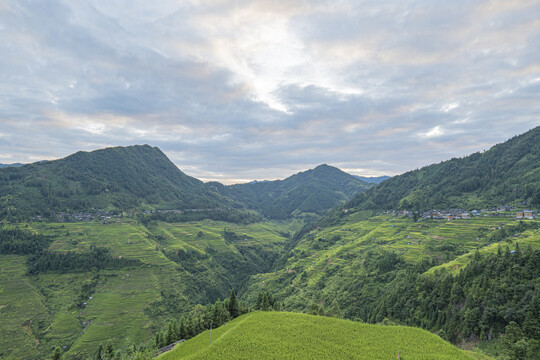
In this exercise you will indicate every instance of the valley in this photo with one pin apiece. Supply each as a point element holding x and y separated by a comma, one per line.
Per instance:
<point>83,309</point>
<point>116,248</point>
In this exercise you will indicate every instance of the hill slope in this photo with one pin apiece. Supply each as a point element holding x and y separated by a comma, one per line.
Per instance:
<point>508,173</point>
<point>118,178</point>
<point>270,335</point>
<point>312,191</point>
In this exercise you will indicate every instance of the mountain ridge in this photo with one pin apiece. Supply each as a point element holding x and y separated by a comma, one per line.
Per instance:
<point>507,173</point>
<point>115,178</point>
<point>314,191</point>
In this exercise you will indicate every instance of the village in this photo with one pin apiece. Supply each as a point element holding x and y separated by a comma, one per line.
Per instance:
<point>107,216</point>
<point>455,214</point>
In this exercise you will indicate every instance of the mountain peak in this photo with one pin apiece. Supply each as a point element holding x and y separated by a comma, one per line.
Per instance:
<point>112,178</point>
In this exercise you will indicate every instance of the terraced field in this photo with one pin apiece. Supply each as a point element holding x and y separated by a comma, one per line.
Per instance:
<point>125,306</point>
<point>340,252</point>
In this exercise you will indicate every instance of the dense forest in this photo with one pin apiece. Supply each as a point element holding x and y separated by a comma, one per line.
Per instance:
<point>16,241</point>
<point>495,294</point>
<point>229,215</point>
<point>97,258</point>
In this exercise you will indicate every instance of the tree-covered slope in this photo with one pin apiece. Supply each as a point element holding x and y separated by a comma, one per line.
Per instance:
<point>280,335</point>
<point>508,173</point>
<point>114,178</point>
<point>312,191</point>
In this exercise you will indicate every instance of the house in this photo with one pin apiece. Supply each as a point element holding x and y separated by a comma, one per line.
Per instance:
<point>465,216</point>
<point>519,215</point>
<point>528,214</point>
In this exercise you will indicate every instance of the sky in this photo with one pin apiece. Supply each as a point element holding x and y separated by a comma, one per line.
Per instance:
<point>241,90</point>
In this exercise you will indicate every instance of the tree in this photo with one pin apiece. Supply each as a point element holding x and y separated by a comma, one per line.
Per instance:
<point>57,353</point>
<point>265,305</point>
<point>109,351</point>
<point>99,352</point>
<point>171,336</point>
<point>183,328</point>
<point>314,309</point>
<point>234,309</point>
<point>335,310</point>
<point>258,304</point>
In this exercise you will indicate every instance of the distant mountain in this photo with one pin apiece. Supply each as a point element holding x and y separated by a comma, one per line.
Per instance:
<point>312,191</point>
<point>373,179</point>
<point>11,165</point>
<point>118,178</point>
<point>508,173</point>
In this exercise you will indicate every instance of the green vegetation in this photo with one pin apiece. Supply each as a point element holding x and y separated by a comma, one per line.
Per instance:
<point>112,179</point>
<point>158,261</point>
<point>508,173</point>
<point>90,283</point>
<point>270,335</point>
<point>95,259</point>
<point>310,192</point>
<point>15,241</point>
<point>384,268</point>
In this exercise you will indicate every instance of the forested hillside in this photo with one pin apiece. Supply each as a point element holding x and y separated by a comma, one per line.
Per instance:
<point>312,191</point>
<point>120,178</point>
<point>506,174</point>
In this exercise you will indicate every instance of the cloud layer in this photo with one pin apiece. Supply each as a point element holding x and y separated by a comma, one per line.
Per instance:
<point>241,90</point>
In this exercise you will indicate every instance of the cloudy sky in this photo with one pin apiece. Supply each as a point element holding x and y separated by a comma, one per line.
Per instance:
<point>240,90</point>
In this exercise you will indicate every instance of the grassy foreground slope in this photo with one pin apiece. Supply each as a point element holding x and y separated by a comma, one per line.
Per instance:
<point>271,335</point>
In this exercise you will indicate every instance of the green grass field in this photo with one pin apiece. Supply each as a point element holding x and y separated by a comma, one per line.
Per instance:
<point>279,335</point>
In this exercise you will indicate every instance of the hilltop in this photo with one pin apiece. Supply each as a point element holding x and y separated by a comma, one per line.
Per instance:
<point>508,173</point>
<point>270,335</point>
<point>119,178</point>
<point>313,191</point>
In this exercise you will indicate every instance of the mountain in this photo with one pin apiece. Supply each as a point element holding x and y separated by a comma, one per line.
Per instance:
<point>373,179</point>
<point>312,191</point>
<point>11,165</point>
<point>506,174</point>
<point>281,335</point>
<point>118,178</point>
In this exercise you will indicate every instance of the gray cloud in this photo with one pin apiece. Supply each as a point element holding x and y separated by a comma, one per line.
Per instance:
<point>253,90</point>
